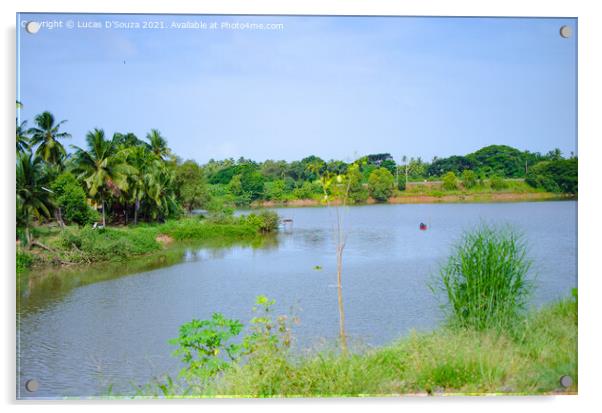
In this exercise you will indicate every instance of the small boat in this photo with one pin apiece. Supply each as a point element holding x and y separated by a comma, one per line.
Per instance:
<point>423,226</point>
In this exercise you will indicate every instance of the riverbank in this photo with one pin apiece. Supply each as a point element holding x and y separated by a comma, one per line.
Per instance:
<point>417,198</point>
<point>85,245</point>
<point>531,359</point>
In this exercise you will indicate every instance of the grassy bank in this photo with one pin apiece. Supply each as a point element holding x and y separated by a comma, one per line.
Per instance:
<point>528,359</point>
<point>489,344</point>
<point>81,245</point>
<point>430,192</point>
<point>437,197</point>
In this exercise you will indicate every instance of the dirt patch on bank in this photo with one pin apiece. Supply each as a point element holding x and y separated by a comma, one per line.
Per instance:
<point>164,239</point>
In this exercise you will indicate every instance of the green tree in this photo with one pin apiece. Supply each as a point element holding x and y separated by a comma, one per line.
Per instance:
<point>23,144</point>
<point>275,190</point>
<point>307,190</point>
<point>144,163</point>
<point>450,182</point>
<point>33,198</point>
<point>358,193</point>
<point>555,176</point>
<point>46,135</point>
<point>160,192</point>
<point>71,198</point>
<point>158,144</point>
<point>191,185</point>
<point>102,167</point>
<point>252,182</point>
<point>380,184</point>
<point>469,178</point>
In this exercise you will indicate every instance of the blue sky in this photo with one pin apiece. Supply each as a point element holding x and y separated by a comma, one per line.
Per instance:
<point>335,87</point>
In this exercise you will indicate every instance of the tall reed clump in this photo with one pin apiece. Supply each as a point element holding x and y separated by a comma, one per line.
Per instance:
<point>485,279</point>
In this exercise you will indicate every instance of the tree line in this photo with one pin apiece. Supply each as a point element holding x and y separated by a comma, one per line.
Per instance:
<point>124,179</point>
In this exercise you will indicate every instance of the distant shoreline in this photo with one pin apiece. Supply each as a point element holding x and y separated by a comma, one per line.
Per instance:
<point>431,199</point>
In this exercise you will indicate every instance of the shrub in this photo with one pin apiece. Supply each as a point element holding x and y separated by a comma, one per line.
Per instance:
<point>264,222</point>
<point>555,176</point>
<point>381,184</point>
<point>24,261</point>
<point>497,183</point>
<point>206,347</point>
<point>307,190</point>
<point>358,193</point>
<point>108,244</point>
<point>71,198</point>
<point>203,345</point>
<point>450,182</point>
<point>275,190</point>
<point>469,179</point>
<point>485,280</point>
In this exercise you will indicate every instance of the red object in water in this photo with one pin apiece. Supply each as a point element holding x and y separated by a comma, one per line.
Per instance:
<point>422,227</point>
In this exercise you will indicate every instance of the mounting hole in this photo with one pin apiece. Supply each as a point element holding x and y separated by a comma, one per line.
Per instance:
<point>566,31</point>
<point>566,381</point>
<point>32,27</point>
<point>31,385</point>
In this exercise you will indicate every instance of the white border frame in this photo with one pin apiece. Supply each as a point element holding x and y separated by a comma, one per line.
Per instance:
<point>590,39</point>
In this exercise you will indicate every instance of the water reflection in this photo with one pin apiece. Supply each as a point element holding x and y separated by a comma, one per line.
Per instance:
<point>81,328</point>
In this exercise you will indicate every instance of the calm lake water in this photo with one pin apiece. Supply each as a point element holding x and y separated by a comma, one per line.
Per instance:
<point>81,330</point>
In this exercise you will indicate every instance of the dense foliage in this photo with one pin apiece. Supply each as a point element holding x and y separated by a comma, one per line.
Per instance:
<point>555,175</point>
<point>380,184</point>
<point>121,179</point>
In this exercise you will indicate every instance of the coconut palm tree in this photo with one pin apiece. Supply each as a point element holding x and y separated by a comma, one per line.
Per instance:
<point>46,134</point>
<point>23,144</point>
<point>157,144</point>
<point>159,188</point>
<point>145,163</point>
<point>33,198</point>
<point>102,167</point>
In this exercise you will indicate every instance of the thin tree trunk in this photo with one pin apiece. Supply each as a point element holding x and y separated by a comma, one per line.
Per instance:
<point>340,248</point>
<point>28,237</point>
<point>59,217</point>
<point>136,207</point>
<point>102,202</point>
<point>340,299</point>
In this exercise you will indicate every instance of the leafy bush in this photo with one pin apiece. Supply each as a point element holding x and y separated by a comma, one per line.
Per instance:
<point>469,179</point>
<point>381,184</point>
<point>207,347</point>
<point>71,198</point>
<point>498,183</point>
<point>203,345</point>
<point>555,176</point>
<point>265,221</point>
<point>358,193</point>
<point>308,190</point>
<point>485,280</point>
<point>108,244</point>
<point>275,190</point>
<point>450,182</point>
<point>267,337</point>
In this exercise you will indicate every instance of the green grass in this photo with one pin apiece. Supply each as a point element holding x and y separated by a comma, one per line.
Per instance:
<point>485,278</point>
<point>529,359</point>
<point>77,245</point>
<point>448,360</point>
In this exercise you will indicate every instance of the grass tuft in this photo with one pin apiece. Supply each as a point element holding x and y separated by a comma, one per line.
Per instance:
<point>485,279</point>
